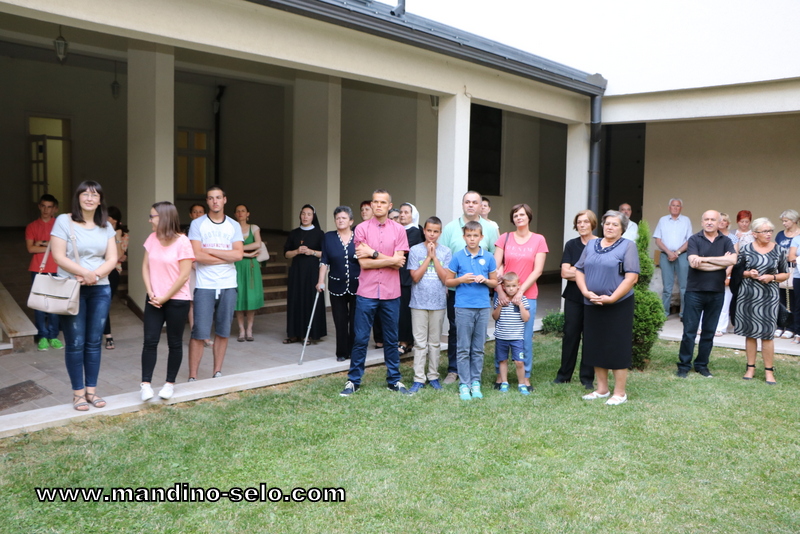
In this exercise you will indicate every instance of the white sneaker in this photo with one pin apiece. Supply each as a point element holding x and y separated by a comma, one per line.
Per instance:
<point>787,334</point>
<point>167,391</point>
<point>147,392</point>
<point>778,332</point>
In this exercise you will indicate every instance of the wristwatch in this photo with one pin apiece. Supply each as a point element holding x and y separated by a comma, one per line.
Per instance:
<point>375,255</point>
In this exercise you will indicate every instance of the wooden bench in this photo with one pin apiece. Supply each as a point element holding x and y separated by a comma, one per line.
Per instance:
<point>18,330</point>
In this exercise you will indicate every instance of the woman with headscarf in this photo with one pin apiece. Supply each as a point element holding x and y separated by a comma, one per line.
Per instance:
<point>791,229</point>
<point>409,218</point>
<point>304,248</point>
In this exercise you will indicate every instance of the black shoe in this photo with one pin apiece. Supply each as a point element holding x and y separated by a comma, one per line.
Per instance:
<point>589,386</point>
<point>680,373</point>
<point>704,372</point>
<point>497,385</point>
<point>340,358</point>
<point>560,381</point>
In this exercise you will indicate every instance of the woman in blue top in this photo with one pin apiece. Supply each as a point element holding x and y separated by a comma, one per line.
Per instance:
<point>606,274</point>
<point>339,257</point>
<point>88,230</point>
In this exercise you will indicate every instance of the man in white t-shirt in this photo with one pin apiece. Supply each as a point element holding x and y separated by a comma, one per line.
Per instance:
<point>632,232</point>
<point>217,243</point>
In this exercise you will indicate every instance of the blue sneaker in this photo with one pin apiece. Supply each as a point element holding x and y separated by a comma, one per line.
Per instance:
<point>435,384</point>
<point>525,390</point>
<point>476,390</point>
<point>349,389</point>
<point>415,387</point>
<point>504,387</point>
<point>463,392</point>
<point>398,387</point>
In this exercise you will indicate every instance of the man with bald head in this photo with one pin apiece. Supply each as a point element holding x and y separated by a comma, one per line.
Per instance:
<point>632,232</point>
<point>710,253</point>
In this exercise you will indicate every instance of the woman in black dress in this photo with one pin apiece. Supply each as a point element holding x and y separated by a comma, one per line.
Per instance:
<point>339,256</point>
<point>605,274</point>
<point>409,218</point>
<point>585,222</point>
<point>304,248</point>
<point>765,267</point>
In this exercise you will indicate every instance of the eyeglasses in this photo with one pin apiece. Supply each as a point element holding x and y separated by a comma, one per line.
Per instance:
<point>151,217</point>
<point>89,194</point>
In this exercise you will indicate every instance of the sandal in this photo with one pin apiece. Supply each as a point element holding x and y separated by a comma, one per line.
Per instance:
<point>771,370</point>
<point>240,339</point>
<point>595,395</point>
<point>208,343</point>
<point>378,345</point>
<point>402,349</point>
<point>289,340</point>
<point>79,403</point>
<point>96,400</point>
<point>109,343</point>
<point>745,372</point>
<point>250,338</point>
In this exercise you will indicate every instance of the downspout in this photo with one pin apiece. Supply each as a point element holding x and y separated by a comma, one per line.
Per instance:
<point>217,117</point>
<point>594,155</point>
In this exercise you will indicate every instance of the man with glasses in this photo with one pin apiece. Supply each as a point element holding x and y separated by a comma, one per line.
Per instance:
<point>709,254</point>
<point>671,235</point>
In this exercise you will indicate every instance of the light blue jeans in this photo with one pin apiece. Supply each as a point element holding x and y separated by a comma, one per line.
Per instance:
<point>471,325</point>
<point>668,271</point>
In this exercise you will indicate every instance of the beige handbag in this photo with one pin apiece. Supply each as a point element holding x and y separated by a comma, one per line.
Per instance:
<point>52,294</point>
<point>263,253</point>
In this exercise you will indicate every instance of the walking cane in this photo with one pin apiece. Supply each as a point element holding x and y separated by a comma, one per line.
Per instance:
<point>313,309</point>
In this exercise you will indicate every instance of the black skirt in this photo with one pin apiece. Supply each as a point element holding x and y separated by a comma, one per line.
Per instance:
<point>608,335</point>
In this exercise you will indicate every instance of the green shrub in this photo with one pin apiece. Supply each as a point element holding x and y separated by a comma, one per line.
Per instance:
<point>648,314</point>
<point>553,323</point>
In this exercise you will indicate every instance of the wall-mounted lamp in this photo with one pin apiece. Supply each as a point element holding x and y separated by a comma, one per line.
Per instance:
<point>434,103</point>
<point>61,46</point>
<point>115,84</point>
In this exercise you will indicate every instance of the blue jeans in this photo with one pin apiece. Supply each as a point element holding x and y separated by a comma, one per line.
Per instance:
<point>46,323</point>
<point>83,336</point>
<point>471,324</point>
<point>668,270</point>
<point>366,310</point>
<point>709,304</point>
<point>527,342</point>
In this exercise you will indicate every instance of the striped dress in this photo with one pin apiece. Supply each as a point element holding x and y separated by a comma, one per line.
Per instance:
<point>757,303</point>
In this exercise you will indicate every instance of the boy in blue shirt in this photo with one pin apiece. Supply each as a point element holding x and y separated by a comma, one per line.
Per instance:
<point>509,331</point>
<point>473,273</point>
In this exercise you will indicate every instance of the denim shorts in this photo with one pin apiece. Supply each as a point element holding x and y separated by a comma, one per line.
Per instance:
<point>213,305</point>
<point>502,346</point>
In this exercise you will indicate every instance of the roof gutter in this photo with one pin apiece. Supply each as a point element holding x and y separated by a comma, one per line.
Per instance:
<point>379,20</point>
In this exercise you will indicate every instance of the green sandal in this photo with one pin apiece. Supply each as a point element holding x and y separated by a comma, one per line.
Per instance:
<point>95,400</point>
<point>80,406</point>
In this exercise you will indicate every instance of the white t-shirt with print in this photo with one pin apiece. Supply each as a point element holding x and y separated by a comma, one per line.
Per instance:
<point>218,236</point>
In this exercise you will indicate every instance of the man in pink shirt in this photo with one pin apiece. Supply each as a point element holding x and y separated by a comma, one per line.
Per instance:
<point>380,247</point>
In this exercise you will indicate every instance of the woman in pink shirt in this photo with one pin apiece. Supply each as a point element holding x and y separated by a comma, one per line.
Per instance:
<point>168,259</point>
<point>524,253</point>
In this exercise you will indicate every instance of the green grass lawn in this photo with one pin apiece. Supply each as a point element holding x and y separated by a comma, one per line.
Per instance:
<point>695,455</point>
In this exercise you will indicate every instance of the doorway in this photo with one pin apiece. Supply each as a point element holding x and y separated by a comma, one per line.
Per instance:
<point>49,161</point>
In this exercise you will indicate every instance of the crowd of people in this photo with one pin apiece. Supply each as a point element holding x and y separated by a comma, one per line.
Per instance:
<point>395,280</point>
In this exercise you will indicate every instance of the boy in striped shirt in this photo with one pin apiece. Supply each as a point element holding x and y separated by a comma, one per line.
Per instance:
<point>510,331</point>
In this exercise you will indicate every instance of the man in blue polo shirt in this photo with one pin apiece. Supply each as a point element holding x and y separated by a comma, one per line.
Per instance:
<point>473,273</point>
<point>710,253</point>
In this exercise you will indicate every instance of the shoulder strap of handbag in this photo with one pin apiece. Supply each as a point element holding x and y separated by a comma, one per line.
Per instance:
<point>74,248</point>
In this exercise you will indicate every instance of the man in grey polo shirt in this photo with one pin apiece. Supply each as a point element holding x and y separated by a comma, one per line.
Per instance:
<point>671,235</point>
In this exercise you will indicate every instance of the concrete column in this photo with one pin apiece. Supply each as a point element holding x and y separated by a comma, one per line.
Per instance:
<point>316,147</point>
<point>425,190</point>
<point>452,169</point>
<point>151,146</point>
<point>576,179</point>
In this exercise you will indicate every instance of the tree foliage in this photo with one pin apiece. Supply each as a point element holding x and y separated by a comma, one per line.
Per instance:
<point>648,315</point>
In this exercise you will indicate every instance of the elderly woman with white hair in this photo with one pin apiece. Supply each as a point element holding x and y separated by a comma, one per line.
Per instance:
<point>765,266</point>
<point>789,220</point>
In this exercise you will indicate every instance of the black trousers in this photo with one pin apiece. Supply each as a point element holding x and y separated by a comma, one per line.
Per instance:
<point>573,330</point>
<point>113,281</point>
<point>452,334</point>
<point>404,332</point>
<point>343,309</point>
<point>174,312</point>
